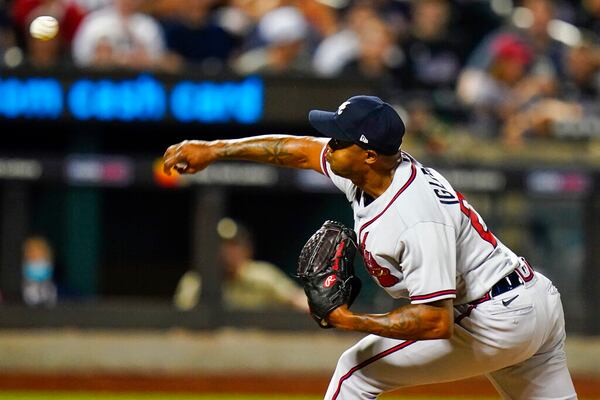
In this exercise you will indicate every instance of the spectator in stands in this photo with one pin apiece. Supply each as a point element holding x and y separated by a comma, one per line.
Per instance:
<point>582,72</point>
<point>539,120</point>
<point>504,87</point>
<point>575,106</point>
<point>588,16</point>
<point>241,17</point>
<point>93,5</point>
<point>341,44</point>
<point>425,128</point>
<point>322,17</point>
<point>530,23</point>
<point>283,32</point>
<point>378,55</point>
<point>249,284</point>
<point>120,36</point>
<point>192,32</point>
<point>10,54</point>
<point>44,54</point>
<point>432,53</point>
<point>38,268</point>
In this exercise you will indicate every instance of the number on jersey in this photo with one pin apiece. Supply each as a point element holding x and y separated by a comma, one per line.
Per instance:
<point>476,221</point>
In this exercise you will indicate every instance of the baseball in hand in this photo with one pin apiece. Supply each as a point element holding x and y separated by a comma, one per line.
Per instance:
<point>44,27</point>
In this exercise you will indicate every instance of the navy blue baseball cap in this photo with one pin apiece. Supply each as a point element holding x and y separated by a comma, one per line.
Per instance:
<point>367,121</point>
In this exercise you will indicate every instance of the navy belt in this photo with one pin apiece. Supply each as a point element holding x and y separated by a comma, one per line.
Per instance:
<point>509,282</point>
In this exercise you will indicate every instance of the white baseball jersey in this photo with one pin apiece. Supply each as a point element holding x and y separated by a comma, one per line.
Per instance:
<point>421,239</point>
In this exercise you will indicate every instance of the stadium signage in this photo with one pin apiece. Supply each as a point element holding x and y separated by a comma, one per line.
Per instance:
<point>142,98</point>
<point>20,169</point>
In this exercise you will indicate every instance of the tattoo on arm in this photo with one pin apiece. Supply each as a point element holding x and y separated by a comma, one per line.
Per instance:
<point>276,153</point>
<point>410,322</point>
<point>283,151</point>
<point>404,320</point>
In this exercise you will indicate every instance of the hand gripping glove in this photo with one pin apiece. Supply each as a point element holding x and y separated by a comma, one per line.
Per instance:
<point>326,270</point>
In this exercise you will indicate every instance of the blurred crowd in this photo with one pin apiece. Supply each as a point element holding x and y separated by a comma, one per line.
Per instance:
<point>505,69</point>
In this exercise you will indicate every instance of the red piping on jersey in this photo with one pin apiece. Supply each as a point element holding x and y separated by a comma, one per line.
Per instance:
<point>324,162</point>
<point>370,361</point>
<point>432,295</point>
<point>410,180</point>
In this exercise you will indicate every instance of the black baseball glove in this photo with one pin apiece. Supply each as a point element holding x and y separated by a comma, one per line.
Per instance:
<point>326,269</point>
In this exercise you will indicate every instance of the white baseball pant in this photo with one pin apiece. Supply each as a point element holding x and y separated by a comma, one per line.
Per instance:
<point>519,347</point>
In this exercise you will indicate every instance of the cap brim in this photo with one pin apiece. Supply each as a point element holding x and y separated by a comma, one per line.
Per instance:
<point>324,122</point>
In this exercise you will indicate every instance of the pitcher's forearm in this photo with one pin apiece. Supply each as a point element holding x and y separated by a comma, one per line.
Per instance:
<point>191,156</point>
<point>407,325</point>
<point>281,150</point>
<point>410,322</point>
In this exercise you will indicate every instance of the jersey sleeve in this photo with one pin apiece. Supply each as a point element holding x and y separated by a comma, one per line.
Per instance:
<point>428,262</point>
<point>345,185</point>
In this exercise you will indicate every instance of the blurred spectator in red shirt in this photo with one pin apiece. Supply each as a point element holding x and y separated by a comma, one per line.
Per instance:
<point>505,86</point>
<point>574,111</point>
<point>531,23</point>
<point>67,12</point>
<point>49,53</point>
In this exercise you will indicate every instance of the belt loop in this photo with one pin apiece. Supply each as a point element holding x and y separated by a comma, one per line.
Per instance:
<point>524,270</point>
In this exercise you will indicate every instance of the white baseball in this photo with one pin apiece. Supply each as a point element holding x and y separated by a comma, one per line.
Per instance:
<point>44,27</point>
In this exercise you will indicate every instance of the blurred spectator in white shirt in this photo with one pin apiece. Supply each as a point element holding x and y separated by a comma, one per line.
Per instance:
<point>120,36</point>
<point>339,48</point>
<point>241,17</point>
<point>93,5</point>
<point>283,32</point>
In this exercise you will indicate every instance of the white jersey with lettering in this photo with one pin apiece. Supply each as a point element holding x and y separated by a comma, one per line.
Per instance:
<point>421,239</point>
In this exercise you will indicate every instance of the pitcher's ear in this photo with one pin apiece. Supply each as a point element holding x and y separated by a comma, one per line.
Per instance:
<point>371,156</point>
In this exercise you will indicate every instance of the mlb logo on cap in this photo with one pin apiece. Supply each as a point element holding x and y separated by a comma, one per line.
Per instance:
<point>365,120</point>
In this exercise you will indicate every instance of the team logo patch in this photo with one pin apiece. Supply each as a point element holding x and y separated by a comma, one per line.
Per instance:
<point>363,139</point>
<point>329,281</point>
<point>382,274</point>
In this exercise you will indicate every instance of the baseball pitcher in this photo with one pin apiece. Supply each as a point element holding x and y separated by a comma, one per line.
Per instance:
<point>475,306</point>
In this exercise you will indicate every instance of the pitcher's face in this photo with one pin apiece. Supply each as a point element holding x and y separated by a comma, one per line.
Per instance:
<point>345,157</point>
